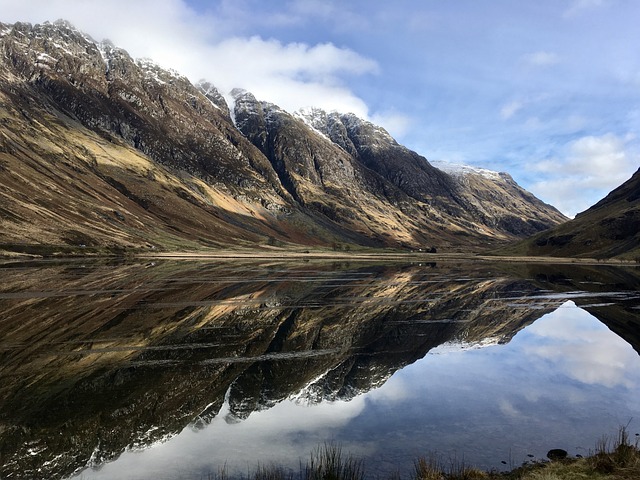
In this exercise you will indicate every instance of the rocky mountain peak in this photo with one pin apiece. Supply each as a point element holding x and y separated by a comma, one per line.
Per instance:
<point>247,112</point>
<point>461,171</point>
<point>362,131</point>
<point>240,165</point>
<point>214,96</point>
<point>64,25</point>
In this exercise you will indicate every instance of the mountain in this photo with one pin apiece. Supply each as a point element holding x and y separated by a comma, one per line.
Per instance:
<point>498,200</point>
<point>609,229</point>
<point>102,152</point>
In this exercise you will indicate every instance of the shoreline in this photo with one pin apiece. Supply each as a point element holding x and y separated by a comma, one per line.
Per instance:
<point>307,254</point>
<point>613,458</point>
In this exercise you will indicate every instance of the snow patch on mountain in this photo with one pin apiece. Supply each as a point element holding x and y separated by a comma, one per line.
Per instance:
<point>231,101</point>
<point>208,90</point>
<point>461,170</point>
<point>314,118</point>
<point>462,346</point>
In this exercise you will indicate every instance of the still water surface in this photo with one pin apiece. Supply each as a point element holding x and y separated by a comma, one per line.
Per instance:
<point>177,369</point>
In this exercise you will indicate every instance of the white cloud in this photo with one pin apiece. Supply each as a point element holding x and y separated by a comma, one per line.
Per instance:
<point>282,434</point>
<point>587,168</point>
<point>603,160</point>
<point>508,409</point>
<point>394,390</point>
<point>198,45</point>
<point>510,109</point>
<point>290,75</point>
<point>579,6</point>
<point>513,107</point>
<point>397,124</point>
<point>541,59</point>
<point>562,193</point>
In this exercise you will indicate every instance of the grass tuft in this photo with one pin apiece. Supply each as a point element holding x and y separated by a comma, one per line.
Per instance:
<point>427,469</point>
<point>328,463</point>
<point>273,472</point>
<point>616,454</point>
<point>433,469</point>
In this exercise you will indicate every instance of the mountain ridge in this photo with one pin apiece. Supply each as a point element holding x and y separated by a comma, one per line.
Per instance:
<point>141,142</point>
<point>608,229</point>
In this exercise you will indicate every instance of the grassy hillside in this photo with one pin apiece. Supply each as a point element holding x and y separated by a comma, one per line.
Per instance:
<point>609,229</point>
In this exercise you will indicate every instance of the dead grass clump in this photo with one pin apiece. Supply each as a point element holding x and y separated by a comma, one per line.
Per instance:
<point>616,455</point>
<point>615,458</point>
<point>273,472</point>
<point>328,463</point>
<point>433,469</point>
<point>427,469</point>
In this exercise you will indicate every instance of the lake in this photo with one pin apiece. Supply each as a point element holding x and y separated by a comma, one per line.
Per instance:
<point>179,369</point>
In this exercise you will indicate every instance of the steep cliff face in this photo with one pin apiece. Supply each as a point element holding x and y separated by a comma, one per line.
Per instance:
<point>99,150</point>
<point>478,202</point>
<point>372,146</point>
<point>328,181</point>
<point>105,151</point>
<point>159,113</point>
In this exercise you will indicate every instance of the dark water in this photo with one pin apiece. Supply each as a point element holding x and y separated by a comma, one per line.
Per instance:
<point>171,370</point>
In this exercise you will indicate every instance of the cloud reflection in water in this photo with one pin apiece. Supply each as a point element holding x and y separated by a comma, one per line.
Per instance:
<point>561,382</point>
<point>583,348</point>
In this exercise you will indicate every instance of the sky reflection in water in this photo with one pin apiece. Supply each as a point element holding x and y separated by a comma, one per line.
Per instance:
<point>560,383</point>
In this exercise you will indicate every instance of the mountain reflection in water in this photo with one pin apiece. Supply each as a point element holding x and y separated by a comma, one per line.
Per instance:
<point>262,362</point>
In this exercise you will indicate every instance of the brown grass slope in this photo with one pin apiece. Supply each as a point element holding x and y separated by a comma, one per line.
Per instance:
<point>609,229</point>
<point>63,185</point>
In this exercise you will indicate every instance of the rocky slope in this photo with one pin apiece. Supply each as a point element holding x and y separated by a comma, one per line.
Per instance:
<point>106,152</point>
<point>496,199</point>
<point>609,229</point>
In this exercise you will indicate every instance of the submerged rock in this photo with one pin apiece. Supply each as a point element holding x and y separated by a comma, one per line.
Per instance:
<point>557,454</point>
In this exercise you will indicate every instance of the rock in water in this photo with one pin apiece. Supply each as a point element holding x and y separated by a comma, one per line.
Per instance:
<point>557,454</point>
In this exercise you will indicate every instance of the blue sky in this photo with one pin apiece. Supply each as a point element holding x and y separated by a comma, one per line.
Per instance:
<point>548,91</point>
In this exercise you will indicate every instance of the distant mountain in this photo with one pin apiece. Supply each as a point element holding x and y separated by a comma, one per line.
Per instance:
<point>609,229</point>
<point>498,200</point>
<point>99,151</point>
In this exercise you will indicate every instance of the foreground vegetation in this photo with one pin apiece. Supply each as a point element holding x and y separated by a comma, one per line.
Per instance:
<point>614,458</point>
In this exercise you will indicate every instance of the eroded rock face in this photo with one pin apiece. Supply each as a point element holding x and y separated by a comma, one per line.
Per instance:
<point>127,135</point>
<point>372,146</point>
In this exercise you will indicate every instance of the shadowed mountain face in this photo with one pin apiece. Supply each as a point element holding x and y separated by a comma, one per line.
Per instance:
<point>98,358</point>
<point>609,229</point>
<point>101,150</point>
